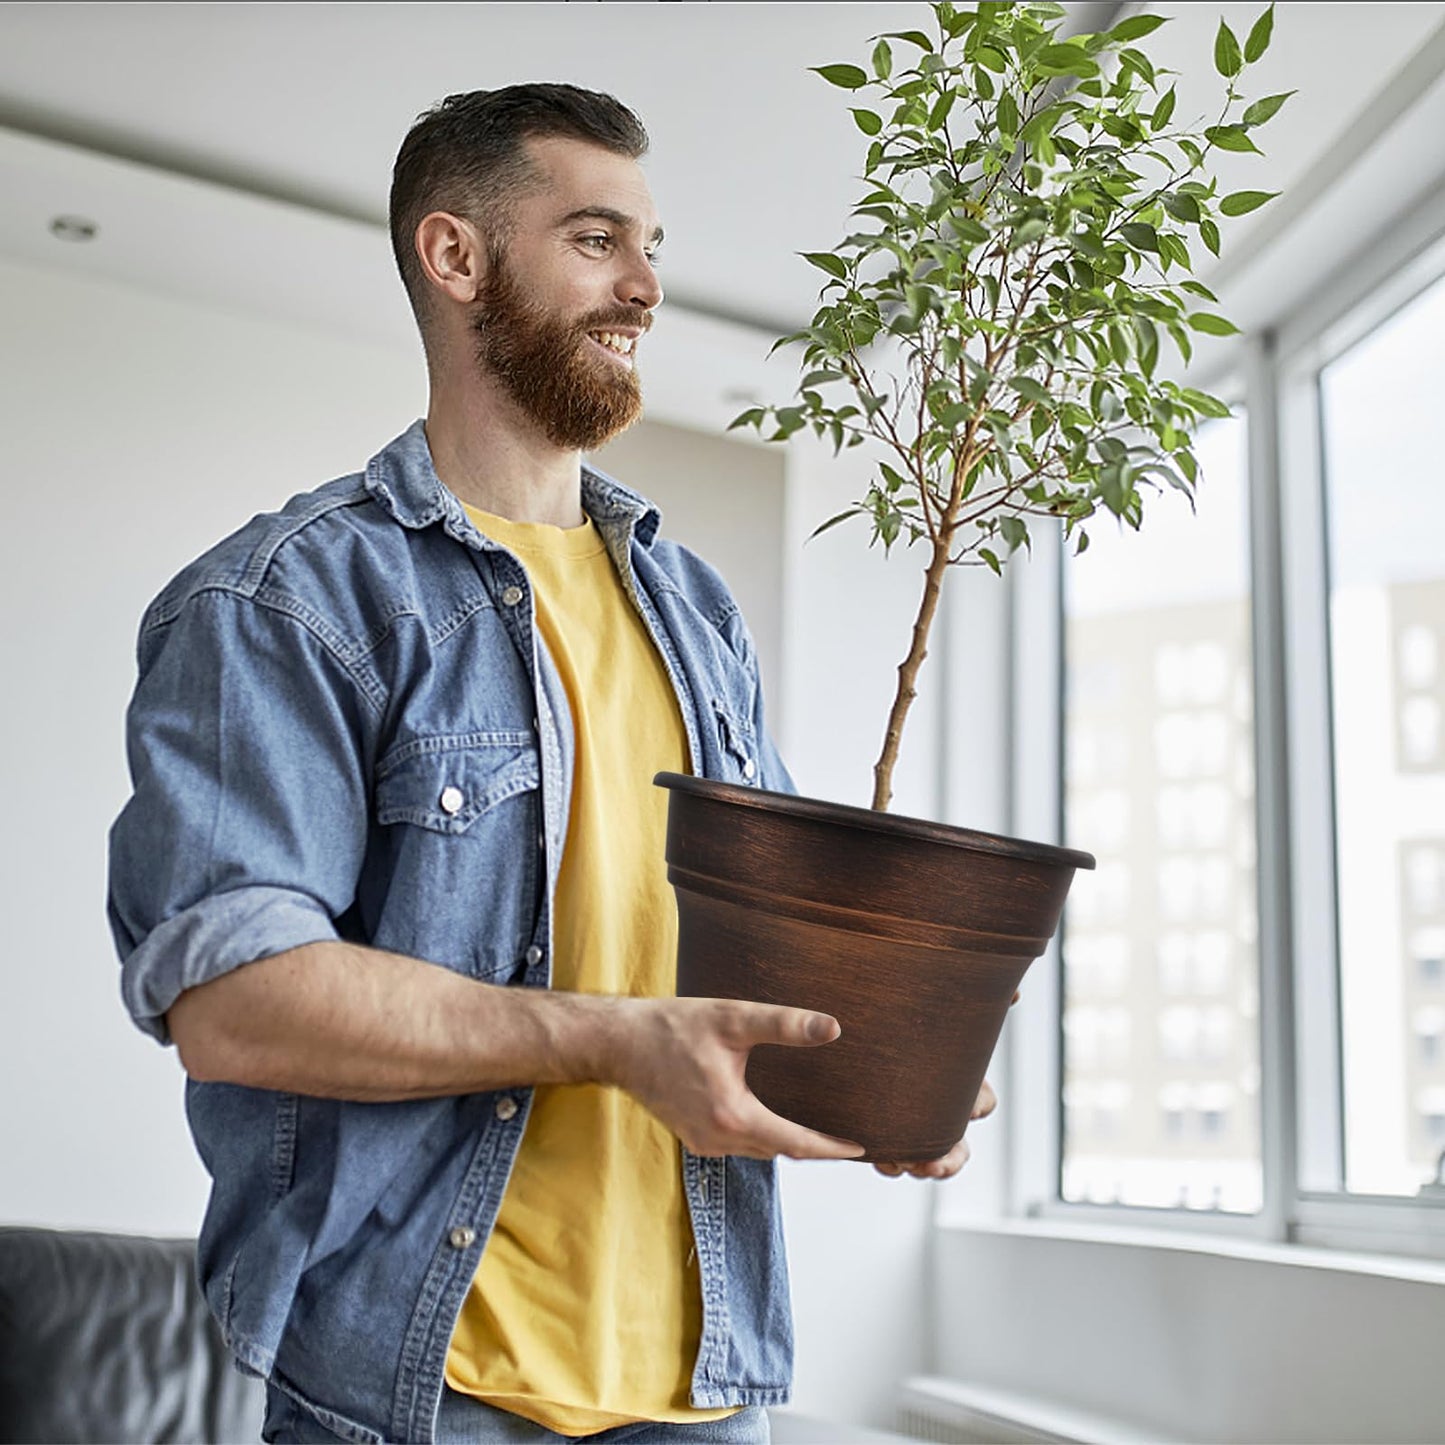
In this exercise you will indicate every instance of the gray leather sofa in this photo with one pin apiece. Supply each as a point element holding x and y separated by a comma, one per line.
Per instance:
<point>106,1338</point>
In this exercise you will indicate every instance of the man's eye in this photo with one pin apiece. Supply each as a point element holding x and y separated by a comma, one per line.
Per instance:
<point>599,242</point>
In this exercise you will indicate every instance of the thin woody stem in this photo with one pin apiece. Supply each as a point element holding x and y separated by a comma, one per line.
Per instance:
<point>969,458</point>
<point>908,676</point>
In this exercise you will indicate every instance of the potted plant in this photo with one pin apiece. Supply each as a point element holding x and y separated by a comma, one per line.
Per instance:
<point>994,334</point>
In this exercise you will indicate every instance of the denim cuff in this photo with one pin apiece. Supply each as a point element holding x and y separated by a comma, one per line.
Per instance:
<point>212,937</point>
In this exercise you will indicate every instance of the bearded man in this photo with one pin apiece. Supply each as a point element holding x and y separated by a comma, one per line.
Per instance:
<point>391,878</point>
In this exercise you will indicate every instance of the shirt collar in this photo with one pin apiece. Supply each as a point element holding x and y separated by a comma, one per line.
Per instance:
<point>402,479</point>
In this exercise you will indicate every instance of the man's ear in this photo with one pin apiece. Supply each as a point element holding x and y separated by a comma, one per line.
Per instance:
<point>452,254</point>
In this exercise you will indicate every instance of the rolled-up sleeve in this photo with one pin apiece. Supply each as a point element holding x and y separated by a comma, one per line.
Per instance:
<point>247,827</point>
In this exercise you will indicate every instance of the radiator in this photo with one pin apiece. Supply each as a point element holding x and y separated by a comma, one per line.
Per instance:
<point>951,1413</point>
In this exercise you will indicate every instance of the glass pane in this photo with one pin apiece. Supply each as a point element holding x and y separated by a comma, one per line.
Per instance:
<point>1385,500</point>
<point>1161,977</point>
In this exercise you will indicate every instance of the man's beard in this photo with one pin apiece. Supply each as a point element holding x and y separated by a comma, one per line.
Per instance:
<point>579,401</point>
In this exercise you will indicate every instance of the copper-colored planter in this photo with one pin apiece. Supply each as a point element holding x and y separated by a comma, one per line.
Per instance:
<point>914,935</point>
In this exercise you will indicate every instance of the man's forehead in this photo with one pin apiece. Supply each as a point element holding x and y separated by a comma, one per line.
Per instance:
<point>583,181</point>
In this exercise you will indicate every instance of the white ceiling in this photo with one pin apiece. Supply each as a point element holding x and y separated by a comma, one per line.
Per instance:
<point>752,157</point>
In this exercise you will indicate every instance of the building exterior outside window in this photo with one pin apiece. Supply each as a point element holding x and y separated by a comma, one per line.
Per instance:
<point>1161,978</point>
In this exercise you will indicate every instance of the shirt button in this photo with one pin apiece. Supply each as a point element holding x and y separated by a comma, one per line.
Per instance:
<point>750,769</point>
<point>462,1237</point>
<point>506,1108</point>
<point>451,800</point>
<point>512,596</point>
<point>534,955</point>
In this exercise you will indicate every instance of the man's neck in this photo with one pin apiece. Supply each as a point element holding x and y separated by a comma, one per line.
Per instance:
<point>493,458</point>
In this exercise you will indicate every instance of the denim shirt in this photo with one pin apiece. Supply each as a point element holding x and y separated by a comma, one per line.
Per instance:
<point>346,726</point>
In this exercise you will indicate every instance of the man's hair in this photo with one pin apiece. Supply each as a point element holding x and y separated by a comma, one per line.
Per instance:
<point>466,156</point>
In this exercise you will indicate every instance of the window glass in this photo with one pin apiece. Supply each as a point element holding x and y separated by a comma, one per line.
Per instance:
<point>1385,509</point>
<point>1161,978</point>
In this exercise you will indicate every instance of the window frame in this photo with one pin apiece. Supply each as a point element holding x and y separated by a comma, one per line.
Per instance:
<point>1275,376</point>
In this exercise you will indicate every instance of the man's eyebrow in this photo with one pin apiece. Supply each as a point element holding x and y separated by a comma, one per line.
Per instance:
<point>606,213</point>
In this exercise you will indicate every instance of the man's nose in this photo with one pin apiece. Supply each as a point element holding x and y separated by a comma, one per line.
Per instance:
<point>640,286</point>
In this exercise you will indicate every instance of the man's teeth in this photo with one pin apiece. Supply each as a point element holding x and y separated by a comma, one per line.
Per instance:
<point>621,344</point>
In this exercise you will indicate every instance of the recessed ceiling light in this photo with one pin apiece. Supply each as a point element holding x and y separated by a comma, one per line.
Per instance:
<point>73,228</point>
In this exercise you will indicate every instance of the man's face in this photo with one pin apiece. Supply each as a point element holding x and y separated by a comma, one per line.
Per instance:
<point>569,295</point>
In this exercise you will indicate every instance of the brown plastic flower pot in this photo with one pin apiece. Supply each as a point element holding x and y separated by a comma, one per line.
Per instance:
<point>913,935</point>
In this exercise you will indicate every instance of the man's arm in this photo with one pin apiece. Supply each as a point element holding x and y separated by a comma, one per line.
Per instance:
<point>337,1020</point>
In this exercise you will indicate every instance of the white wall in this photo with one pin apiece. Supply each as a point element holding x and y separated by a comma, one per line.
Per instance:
<point>138,430</point>
<point>1125,1326</point>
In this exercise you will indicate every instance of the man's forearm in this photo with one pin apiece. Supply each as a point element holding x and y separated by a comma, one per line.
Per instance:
<point>337,1020</point>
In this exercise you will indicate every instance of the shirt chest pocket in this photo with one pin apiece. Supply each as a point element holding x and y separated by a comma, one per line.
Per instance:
<point>460,820</point>
<point>446,783</point>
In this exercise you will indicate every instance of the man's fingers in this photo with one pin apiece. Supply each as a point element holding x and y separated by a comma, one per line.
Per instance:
<point>766,1135</point>
<point>764,1023</point>
<point>986,1102</point>
<point>942,1168</point>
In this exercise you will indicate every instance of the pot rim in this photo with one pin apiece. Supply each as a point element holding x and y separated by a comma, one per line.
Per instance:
<point>847,816</point>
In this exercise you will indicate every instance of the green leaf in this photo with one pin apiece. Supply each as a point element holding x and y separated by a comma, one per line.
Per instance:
<point>942,106</point>
<point>1259,36</point>
<point>1163,110</point>
<point>1029,231</point>
<point>882,60</point>
<point>913,37</point>
<point>1263,110</point>
<point>1230,138</point>
<point>992,559</point>
<point>1136,27</point>
<point>1201,401</point>
<point>1068,59</point>
<point>1030,389</point>
<point>1211,325</point>
<point>1241,203</point>
<point>1008,115</point>
<point>833,522</point>
<point>1182,207</point>
<point>1210,234</point>
<point>1227,59</point>
<point>867,121</point>
<point>1147,338</point>
<point>1139,63</point>
<point>751,417</point>
<point>991,59</point>
<point>1014,532</point>
<point>826,261</point>
<point>846,77</point>
<point>969,231</point>
<point>1140,236</point>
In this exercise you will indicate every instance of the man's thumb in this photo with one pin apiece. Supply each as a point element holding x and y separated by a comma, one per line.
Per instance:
<point>821,1028</point>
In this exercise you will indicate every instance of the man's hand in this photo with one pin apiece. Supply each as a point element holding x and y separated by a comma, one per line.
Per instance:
<point>684,1060</point>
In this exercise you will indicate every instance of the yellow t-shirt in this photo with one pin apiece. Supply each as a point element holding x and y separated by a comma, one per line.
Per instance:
<point>586,1309</point>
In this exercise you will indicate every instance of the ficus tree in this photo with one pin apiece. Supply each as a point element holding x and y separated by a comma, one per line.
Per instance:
<point>1032,217</point>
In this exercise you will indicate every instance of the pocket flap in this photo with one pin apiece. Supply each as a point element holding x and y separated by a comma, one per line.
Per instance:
<point>447,783</point>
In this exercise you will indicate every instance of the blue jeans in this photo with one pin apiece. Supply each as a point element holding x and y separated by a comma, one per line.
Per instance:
<point>465,1421</point>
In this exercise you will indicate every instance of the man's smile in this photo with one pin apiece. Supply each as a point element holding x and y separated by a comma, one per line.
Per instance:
<point>619,345</point>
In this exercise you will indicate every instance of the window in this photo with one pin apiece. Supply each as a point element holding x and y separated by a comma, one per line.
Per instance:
<point>1386,560</point>
<point>1158,784</point>
<point>1250,715</point>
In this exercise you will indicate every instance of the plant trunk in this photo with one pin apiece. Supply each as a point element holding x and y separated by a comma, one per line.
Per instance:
<point>907,676</point>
